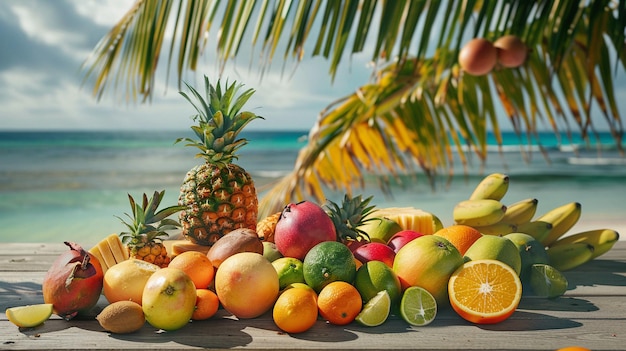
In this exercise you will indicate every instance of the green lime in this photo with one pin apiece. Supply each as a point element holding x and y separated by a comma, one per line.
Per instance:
<point>376,310</point>
<point>327,262</point>
<point>418,307</point>
<point>547,281</point>
<point>375,276</point>
<point>289,271</point>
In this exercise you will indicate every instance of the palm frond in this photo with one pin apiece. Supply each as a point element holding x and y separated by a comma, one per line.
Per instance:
<point>421,110</point>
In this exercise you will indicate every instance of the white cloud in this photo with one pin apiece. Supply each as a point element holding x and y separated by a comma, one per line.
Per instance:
<point>103,12</point>
<point>40,76</point>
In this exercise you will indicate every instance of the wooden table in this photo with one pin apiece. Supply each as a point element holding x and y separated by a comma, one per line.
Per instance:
<point>591,314</point>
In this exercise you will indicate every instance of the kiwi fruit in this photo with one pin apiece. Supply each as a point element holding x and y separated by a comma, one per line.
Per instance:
<point>122,317</point>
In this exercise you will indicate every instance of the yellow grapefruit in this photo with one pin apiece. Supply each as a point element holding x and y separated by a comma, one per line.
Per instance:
<point>246,284</point>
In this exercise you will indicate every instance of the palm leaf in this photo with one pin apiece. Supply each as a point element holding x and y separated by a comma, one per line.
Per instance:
<point>420,110</point>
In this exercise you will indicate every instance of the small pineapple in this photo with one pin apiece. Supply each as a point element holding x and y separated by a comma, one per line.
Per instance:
<point>219,196</point>
<point>266,227</point>
<point>144,238</point>
<point>353,213</point>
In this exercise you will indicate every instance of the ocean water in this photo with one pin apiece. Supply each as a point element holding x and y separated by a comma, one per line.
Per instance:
<point>58,186</point>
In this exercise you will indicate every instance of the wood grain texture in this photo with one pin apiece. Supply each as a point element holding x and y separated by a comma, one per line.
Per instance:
<point>592,314</point>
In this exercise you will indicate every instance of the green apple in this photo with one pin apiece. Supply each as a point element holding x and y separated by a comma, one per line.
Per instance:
<point>169,299</point>
<point>381,229</point>
<point>496,248</point>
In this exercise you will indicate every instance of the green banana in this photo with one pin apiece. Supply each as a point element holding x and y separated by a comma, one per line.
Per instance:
<point>562,218</point>
<point>492,187</point>
<point>537,229</point>
<point>478,212</point>
<point>500,228</point>
<point>520,212</point>
<point>568,256</point>
<point>602,240</point>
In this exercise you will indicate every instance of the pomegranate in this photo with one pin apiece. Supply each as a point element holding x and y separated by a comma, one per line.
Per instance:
<point>73,283</point>
<point>512,51</point>
<point>302,226</point>
<point>478,57</point>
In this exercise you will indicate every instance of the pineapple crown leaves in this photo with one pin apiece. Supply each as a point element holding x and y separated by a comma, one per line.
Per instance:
<point>352,214</point>
<point>148,224</point>
<point>219,119</point>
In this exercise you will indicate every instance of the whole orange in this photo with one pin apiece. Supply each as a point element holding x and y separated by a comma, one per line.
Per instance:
<point>461,236</point>
<point>247,284</point>
<point>295,310</point>
<point>207,304</point>
<point>574,348</point>
<point>197,266</point>
<point>339,302</point>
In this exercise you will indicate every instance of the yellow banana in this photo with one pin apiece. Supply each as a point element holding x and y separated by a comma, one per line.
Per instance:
<point>521,211</point>
<point>602,240</point>
<point>568,256</point>
<point>562,218</point>
<point>492,187</point>
<point>478,212</point>
<point>537,229</point>
<point>500,228</point>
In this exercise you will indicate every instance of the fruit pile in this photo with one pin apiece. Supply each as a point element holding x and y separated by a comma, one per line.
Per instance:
<point>341,262</point>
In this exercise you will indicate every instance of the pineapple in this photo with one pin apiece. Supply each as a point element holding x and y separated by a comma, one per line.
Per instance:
<point>147,230</point>
<point>410,218</point>
<point>219,196</point>
<point>353,213</point>
<point>266,227</point>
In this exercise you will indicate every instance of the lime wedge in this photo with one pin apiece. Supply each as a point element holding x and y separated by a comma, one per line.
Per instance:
<point>30,315</point>
<point>376,310</point>
<point>547,281</point>
<point>418,307</point>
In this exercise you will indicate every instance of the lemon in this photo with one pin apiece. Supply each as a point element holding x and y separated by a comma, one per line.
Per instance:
<point>376,310</point>
<point>547,281</point>
<point>29,316</point>
<point>418,307</point>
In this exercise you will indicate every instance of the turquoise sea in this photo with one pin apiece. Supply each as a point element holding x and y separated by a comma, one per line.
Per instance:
<point>58,186</point>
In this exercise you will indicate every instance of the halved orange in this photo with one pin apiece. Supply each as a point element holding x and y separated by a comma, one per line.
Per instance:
<point>485,291</point>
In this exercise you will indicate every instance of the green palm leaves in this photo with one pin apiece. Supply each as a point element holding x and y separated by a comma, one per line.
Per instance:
<point>420,109</point>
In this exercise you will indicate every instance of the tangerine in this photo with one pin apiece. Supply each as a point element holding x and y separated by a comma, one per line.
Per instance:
<point>207,304</point>
<point>339,302</point>
<point>295,310</point>
<point>459,235</point>
<point>197,266</point>
<point>485,291</point>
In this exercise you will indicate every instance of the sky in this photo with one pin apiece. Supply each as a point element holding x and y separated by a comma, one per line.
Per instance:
<point>44,43</point>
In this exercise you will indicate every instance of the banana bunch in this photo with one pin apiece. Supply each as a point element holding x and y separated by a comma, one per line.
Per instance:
<point>485,211</point>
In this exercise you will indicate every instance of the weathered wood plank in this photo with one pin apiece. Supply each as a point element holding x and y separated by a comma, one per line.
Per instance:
<point>591,314</point>
<point>523,331</point>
